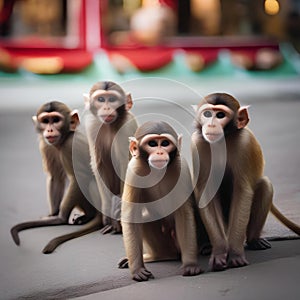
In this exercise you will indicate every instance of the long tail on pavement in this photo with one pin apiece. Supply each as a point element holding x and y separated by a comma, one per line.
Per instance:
<point>288,223</point>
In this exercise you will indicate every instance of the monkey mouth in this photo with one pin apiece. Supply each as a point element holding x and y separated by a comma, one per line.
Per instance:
<point>107,118</point>
<point>158,164</point>
<point>52,139</point>
<point>213,137</point>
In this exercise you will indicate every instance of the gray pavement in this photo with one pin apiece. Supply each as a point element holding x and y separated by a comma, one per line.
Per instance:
<point>87,265</point>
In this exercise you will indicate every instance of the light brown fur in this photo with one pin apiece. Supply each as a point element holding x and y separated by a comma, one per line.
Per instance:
<point>108,144</point>
<point>58,164</point>
<point>166,235</point>
<point>238,211</point>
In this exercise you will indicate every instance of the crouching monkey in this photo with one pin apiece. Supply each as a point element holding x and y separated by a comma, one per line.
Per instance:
<point>157,203</point>
<point>234,196</point>
<point>109,124</point>
<point>56,125</point>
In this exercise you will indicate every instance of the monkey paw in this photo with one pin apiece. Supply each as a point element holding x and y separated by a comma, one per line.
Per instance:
<point>123,263</point>
<point>106,229</point>
<point>218,262</point>
<point>142,275</point>
<point>114,228</point>
<point>192,270</point>
<point>237,260</point>
<point>258,244</point>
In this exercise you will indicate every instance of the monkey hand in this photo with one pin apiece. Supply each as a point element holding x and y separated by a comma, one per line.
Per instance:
<point>236,260</point>
<point>111,226</point>
<point>142,274</point>
<point>218,262</point>
<point>116,227</point>
<point>192,270</point>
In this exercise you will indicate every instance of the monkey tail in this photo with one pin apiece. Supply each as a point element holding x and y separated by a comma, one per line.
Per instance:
<point>288,223</point>
<point>93,225</point>
<point>32,224</point>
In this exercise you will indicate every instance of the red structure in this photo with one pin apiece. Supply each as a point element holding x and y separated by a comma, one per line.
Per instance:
<point>86,34</point>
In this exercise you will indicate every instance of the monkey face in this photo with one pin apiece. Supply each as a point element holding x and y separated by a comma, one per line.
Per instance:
<point>214,119</point>
<point>156,148</point>
<point>51,125</point>
<point>105,105</point>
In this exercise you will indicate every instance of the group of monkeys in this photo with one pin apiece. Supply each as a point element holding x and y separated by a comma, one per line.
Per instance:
<point>148,193</point>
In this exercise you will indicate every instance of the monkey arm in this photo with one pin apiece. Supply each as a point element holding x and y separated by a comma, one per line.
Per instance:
<point>185,228</point>
<point>133,242</point>
<point>56,177</point>
<point>238,222</point>
<point>201,166</point>
<point>195,160</point>
<point>212,218</point>
<point>55,191</point>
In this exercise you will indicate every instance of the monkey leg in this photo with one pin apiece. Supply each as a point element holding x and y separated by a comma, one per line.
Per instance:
<point>48,221</point>
<point>262,201</point>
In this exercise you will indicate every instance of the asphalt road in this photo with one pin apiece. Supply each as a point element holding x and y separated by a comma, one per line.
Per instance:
<point>88,264</point>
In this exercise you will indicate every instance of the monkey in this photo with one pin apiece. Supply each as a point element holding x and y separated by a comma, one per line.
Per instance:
<point>108,125</point>
<point>233,195</point>
<point>56,124</point>
<point>157,203</point>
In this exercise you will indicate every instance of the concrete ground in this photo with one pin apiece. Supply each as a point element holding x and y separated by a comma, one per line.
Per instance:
<point>87,267</point>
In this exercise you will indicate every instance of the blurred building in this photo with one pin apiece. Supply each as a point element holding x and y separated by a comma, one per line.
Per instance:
<point>56,31</point>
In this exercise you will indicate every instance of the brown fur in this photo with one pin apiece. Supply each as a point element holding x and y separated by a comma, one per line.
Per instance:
<point>106,148</point>
<point>238,211</point>
<point>165,237</point>
<point>58,164</point>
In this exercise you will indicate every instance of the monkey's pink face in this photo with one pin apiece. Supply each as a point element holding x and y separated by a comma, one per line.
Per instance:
<point>105,105</point>
<point>158,148</point>
<point>51,124</point>
<point>213,119</point>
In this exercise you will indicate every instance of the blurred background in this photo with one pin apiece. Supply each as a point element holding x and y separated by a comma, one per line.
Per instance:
<point>70,36</point>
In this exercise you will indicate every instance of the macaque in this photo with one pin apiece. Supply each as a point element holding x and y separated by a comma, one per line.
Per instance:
<point>233,195</point>
<point>109,124</point>
<point>56,125</point>
<point>157,214</point>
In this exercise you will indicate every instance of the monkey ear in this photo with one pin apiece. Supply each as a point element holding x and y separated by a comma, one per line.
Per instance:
<point>243,117</point>
<point>34,119</point>
<point>86,98</point>
<point>179,142</point>
<point>195,107</point>
<point>129,103</point>
<point>133,146</point>
<point>74,120</point>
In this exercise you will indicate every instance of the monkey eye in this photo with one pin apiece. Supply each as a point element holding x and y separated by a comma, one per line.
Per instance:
<point>45,121</point>
<point>207,114</point>
<point>101,99</point>
<point>112,99</point>
<point>56,119</point>
<point>165,143</point>
<point>220,115</point>
<point>152,143</point>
